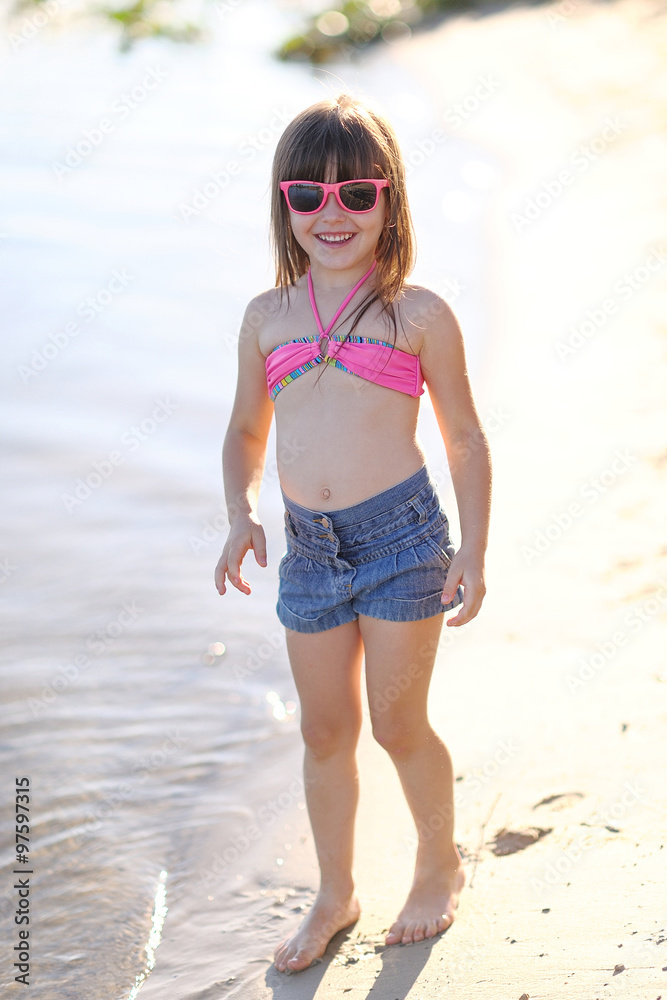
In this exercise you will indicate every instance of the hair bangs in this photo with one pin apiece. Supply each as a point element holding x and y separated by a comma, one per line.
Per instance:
<point>333,146</point>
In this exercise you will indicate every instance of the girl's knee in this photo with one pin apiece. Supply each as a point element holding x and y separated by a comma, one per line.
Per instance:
<point>399,737</point>
<point>326,737</point>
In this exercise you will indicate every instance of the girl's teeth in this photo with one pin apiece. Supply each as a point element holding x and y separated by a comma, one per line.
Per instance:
<point>334,239</point>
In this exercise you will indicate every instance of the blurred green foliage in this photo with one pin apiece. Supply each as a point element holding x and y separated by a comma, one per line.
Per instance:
<point>136,20</point>
<point>150,18</point>
<point>333,33</point>
<point>356,24</point>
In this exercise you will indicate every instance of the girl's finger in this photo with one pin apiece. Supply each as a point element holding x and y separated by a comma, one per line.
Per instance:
<point>240,584</point>
<point>219,576</point>
<point>234,574</point>
<point>461,618</point>
<point>451,586</point>
<point>259,545</point>
<point>234,567</point>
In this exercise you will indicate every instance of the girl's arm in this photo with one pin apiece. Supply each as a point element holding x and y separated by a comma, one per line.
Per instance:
<point>444,366</point>
<point>244,453</point>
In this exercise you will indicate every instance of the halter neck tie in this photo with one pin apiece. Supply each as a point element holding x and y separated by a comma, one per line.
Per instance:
<point>348,298</point>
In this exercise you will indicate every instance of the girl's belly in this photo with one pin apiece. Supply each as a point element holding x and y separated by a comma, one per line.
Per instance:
<point>341,439</point>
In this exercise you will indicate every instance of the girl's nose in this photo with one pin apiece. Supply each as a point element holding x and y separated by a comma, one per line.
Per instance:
<point>331,209</point>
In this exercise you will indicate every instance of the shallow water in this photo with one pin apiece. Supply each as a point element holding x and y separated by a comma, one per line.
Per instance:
<point>152,718</point>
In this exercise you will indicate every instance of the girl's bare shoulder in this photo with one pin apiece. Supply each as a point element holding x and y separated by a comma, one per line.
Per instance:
<point>422,305</point>
<point>264,313</point>
<point>262,307</point>
<point>427,314</point>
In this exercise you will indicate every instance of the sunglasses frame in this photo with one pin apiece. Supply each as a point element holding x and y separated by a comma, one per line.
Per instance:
<point>335,189</point>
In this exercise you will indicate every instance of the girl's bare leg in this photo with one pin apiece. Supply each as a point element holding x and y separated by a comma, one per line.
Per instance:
<point>327,671</point>
<point>399,663</point>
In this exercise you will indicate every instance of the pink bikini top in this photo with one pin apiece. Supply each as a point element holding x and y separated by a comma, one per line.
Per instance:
<point>373,360</point>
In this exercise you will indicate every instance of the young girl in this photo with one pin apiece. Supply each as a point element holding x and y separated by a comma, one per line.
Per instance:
<point>341,348</point>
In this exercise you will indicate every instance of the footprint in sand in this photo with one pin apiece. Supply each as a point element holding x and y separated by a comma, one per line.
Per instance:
<point>562,800</point>
<point>511,841</point>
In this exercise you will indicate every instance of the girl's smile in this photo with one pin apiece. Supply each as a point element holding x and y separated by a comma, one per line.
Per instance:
<point>338,238</point>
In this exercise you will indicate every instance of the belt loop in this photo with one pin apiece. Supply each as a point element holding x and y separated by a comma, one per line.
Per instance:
<point>418,506</point>
<point>289,524</point>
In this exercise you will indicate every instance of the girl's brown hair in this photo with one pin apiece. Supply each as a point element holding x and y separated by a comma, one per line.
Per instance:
<point>344,135</point>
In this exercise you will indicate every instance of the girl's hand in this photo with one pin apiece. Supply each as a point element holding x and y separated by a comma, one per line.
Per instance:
<point>244,534</point>
<point>469,572</point>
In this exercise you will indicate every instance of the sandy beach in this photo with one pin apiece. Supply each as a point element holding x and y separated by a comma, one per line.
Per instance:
<point>158,723</point>
<point>553,701</point>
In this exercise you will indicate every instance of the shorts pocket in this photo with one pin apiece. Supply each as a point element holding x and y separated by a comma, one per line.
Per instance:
<point>444,554</point>
<point>285,561</point>
<point>411,576</point>
<point>300,592</point>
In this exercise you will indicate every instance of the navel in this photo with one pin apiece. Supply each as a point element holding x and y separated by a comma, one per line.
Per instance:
<point>326,493</point>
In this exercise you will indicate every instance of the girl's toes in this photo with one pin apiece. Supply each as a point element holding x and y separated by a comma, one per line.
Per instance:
<point>298,961</point>
<point>409,934</point>
<point>395,934</point>
<point>278,959</point>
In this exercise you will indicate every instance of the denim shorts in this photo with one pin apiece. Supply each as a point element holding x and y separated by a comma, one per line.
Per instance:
<point>386,557</point>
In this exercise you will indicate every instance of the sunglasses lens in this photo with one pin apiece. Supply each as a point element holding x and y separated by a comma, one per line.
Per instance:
<point>359,196</point>
<point>305,197</point>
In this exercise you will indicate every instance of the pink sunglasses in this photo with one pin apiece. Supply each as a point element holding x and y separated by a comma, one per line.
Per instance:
<point>307,197</point>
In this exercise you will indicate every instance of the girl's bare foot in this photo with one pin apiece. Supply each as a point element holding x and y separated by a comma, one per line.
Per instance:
<point>328,916</point>
<point>429,908</point>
